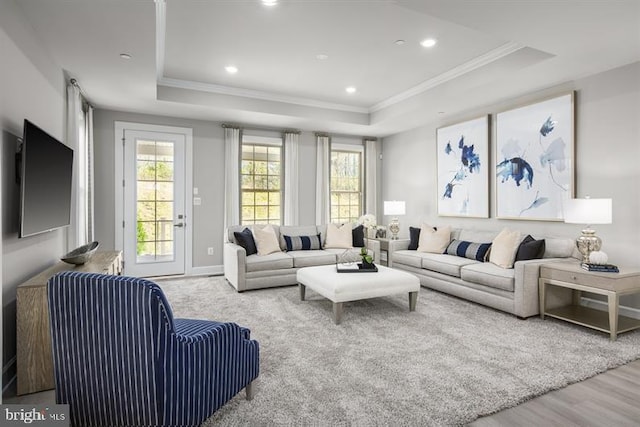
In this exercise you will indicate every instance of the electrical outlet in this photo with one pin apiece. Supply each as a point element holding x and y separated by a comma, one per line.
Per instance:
<point>209,251</point>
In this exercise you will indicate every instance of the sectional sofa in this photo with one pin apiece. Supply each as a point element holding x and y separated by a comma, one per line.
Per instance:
<point>513,290</point>
<point>245,272</point>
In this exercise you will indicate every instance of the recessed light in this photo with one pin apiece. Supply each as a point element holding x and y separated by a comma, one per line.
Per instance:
<point>399,42</point>
<point>428,42</point>
<point>231,69</point>
<point>125,56</point>
<point>351,89</point>
<point>322,56</point>
<point>269,2</point>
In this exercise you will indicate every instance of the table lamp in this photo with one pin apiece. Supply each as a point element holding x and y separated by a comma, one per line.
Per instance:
<point>588,211</point>
<point>394,208</point>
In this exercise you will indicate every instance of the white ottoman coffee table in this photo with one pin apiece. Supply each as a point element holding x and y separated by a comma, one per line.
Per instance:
<point>345,287</point>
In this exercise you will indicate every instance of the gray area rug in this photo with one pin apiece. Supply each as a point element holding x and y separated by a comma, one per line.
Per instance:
<point>447,363</point>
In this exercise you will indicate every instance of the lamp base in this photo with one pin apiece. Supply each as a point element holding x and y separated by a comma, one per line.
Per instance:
<point>588,242</point>
<point>394,228</point>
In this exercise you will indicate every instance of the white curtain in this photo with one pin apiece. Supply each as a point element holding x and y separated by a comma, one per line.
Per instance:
<point>232,176</point>
<point>80,139</point>
<point>322,179</point>
<point>291,178</point>
<point>370,173</point>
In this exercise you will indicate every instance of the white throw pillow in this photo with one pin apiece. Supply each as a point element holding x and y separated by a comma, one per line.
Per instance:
<point>266,240</point>
<point>340,237</point>
<point>504,248</point>
<point>434,241</point>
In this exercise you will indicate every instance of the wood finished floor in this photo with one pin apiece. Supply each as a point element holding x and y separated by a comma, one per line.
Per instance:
<point>609,399</point>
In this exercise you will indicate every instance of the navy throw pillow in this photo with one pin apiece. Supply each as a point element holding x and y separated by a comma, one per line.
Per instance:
<point>469,250</point>
<point>303,243</point>
<point>245,239</point>
<point>530,248</point>
<point>358,236</point>
<point>414,237</point>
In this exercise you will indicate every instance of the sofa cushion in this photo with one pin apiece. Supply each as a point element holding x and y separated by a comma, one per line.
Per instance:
<point>445,264</point>
<point>470,250</point>
<point>434,240</point>
<point>504,248</point>
<point>297,230</point>
<point>339,236</point>
<point>408,257</point>
<point>266,240</point>
<point>530,248</point>
<point>490,275</point>
<point>303,243</point>
<point>357,235</point>
<point>311,258</point>
<point>245,239</point>
<point>274,261</point>
<point>559,248</point>
<point>414,237</point>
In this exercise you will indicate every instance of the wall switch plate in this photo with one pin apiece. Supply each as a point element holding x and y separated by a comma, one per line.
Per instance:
<point>197,201</point>
<point>195,191</point>
<point>209,251</point>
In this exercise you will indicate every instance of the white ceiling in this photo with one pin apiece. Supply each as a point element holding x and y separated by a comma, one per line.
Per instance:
<point>486,48</point>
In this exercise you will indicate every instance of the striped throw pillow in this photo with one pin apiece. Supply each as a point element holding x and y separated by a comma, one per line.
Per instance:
<point>469,250</point>
<point>303,243</point>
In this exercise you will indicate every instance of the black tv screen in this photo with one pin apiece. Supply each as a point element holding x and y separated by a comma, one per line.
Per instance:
<point>45,183</point>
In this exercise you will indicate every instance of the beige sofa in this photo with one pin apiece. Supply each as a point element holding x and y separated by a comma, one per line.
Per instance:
<point>512,290</point>
<point>279,269</point>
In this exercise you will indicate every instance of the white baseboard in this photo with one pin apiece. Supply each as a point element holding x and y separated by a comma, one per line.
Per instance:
<point>602,305</point>
<point>212,270</point>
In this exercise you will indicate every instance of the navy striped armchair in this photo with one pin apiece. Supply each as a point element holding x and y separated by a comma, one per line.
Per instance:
<point>121,359</point>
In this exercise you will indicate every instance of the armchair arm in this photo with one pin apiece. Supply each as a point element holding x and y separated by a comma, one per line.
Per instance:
<point>235,265</point>
<point>199,357</point>
<point>374,246</point>
<point>525,296</point>
<point>396,245</point>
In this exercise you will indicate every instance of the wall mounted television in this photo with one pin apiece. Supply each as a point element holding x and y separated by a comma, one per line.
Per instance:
<point>45,182</point>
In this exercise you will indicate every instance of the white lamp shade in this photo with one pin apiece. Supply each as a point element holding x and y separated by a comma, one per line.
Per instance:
<point>588,211</point>
<point>394,208</point>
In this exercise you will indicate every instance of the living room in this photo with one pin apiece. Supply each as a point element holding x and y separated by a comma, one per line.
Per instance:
<point>501,62</point>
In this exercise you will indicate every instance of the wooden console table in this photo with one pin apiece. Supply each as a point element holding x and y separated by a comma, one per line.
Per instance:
<point>34,357</point>
<point>612,285</point>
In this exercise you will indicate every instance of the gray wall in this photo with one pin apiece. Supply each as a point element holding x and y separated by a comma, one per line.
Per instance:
<point>32,87</point>
<point>607,152</point>
<point>208,177</point>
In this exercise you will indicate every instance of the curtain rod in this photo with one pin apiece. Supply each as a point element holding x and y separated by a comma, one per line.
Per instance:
<point>74,82</point>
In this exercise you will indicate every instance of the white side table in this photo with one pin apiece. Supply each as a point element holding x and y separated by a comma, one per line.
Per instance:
<point>611,285</point>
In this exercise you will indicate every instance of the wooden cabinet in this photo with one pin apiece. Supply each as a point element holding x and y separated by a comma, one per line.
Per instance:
<point>34,357</point>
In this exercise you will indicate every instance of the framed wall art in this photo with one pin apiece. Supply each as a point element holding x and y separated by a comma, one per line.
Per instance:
<point>534,159</point>
<point>463,169</point>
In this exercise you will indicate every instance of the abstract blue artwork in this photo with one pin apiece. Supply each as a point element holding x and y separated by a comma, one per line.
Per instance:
<point>534,160</point>
<point>463,169</point>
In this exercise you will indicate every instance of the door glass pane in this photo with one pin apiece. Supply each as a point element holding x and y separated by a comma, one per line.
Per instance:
<point>154,195</point>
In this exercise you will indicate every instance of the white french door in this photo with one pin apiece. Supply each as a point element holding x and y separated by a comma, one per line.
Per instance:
<point>154,220</point>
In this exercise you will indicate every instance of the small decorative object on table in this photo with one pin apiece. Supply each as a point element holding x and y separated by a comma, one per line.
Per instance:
<point>369,222</point>
<point>367,260</point>
<point>81,255</point>
<point>394,208</point>
<point>381,232</point>
<point>598,257</point>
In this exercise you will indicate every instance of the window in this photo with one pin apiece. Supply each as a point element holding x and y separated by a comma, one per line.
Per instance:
<point>261,181</point>
<point>346,183</point>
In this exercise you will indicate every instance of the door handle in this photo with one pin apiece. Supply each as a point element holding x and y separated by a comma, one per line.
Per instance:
<point>180,224</point>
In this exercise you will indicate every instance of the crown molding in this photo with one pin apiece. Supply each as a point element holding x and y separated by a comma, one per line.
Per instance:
<point>256,94</point>
<point>467,67</point>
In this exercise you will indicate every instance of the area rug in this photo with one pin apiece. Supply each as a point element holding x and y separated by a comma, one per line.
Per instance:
<point>447,363</point>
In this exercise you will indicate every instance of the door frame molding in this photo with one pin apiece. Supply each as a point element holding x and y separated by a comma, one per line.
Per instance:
<point>120,128</point>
